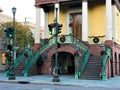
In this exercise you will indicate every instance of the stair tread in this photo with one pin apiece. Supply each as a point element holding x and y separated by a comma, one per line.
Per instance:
<point>92,69</point>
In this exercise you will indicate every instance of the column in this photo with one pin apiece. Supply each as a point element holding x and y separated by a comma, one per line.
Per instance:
<point>84,20</point>
<point>38,23</point>
<point>109,20</point>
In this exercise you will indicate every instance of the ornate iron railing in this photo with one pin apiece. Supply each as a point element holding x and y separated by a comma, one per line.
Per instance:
<point>36,55</point>
<point>68,39</point>
<point>18,60</point>
<point>105,59</point>
<point>84,62</point>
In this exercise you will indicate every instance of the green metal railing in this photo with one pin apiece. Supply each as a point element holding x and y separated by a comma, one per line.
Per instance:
<point>84,58</point>
<point>84,62</point>
<point>70,39</point>
<point>36,55</point>
<point>105,58</point>
<point>45,46</point>
<point>16,62</point>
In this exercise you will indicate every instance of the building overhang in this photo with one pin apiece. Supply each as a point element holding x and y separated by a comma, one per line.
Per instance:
<point>48,3</point>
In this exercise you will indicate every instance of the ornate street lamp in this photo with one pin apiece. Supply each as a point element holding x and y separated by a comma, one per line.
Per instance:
<point>55,70</point>
<point>12,72</point>
<point>14,11</point>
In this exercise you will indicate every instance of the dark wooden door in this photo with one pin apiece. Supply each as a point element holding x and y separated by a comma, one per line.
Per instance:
<point>77,24</point>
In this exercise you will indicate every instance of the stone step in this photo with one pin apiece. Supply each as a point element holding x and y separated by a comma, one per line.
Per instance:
<point>92,70</point>
<point>19,69</point>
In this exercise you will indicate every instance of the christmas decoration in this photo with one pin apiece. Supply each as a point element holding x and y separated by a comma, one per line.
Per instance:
<point>71,24</point>
<point>95,39</point>
<point>62,39</point>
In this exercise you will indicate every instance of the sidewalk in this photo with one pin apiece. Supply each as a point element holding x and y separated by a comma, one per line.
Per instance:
<point>64,80</point>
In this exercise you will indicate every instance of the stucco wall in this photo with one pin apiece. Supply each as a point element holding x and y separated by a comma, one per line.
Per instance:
<point>62,19</point>
<point>97,21</point>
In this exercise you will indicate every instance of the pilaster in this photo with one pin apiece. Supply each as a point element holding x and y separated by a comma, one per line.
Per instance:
<point>85,20</point>
<point>38,24</point>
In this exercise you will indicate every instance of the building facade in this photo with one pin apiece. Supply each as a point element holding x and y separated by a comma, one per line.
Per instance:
<point>95,22</point>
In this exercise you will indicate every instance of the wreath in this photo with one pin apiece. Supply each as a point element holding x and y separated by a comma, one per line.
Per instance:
<point>96,40</point>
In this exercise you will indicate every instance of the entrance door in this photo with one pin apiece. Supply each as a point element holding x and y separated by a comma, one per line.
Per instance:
<point>77,24</point>
<point>65,63</point>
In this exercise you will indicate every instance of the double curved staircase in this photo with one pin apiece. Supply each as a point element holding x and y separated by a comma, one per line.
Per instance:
<point>78,44</point>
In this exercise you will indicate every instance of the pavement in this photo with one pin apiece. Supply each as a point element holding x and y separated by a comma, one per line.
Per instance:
<point>64,80</point>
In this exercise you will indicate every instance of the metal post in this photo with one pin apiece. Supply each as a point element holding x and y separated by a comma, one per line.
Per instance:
<point>13,52</point>
<point>56,76</point>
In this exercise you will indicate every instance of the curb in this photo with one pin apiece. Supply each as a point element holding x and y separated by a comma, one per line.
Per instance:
<point>33,82</point>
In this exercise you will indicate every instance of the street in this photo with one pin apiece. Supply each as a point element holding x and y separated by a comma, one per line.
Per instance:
<point>19,86</point>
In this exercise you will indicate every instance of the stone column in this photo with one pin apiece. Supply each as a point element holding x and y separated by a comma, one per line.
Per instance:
<point>84,20</point>
<point>37,31</point>
<point>109,28</point>
<point>109,25</point>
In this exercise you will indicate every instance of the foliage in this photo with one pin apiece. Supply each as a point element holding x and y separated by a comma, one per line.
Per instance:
<point>23,35</point>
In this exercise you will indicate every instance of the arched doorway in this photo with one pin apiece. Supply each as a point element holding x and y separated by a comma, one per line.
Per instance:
<point>65,63</point>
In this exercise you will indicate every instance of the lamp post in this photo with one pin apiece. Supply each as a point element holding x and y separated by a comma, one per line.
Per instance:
<point>55,71</point>
<point>12,72</point>
<point>14,11</point>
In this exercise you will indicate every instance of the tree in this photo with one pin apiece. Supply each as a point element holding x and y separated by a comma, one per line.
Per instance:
<point>23,35</point>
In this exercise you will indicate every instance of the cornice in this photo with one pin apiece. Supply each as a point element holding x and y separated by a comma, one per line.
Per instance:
<point>38,3</point>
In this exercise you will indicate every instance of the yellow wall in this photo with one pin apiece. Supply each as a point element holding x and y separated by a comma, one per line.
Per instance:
<point>97,22</point>
<point>62,20</point>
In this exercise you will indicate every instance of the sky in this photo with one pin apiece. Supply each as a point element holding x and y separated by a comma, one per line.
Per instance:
<point>24,9</point>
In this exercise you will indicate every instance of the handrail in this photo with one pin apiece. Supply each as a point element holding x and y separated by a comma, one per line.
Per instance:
<point>104,63</point>
<point>36,55</point>
<point>71,39</point>
<point>84,62</point>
